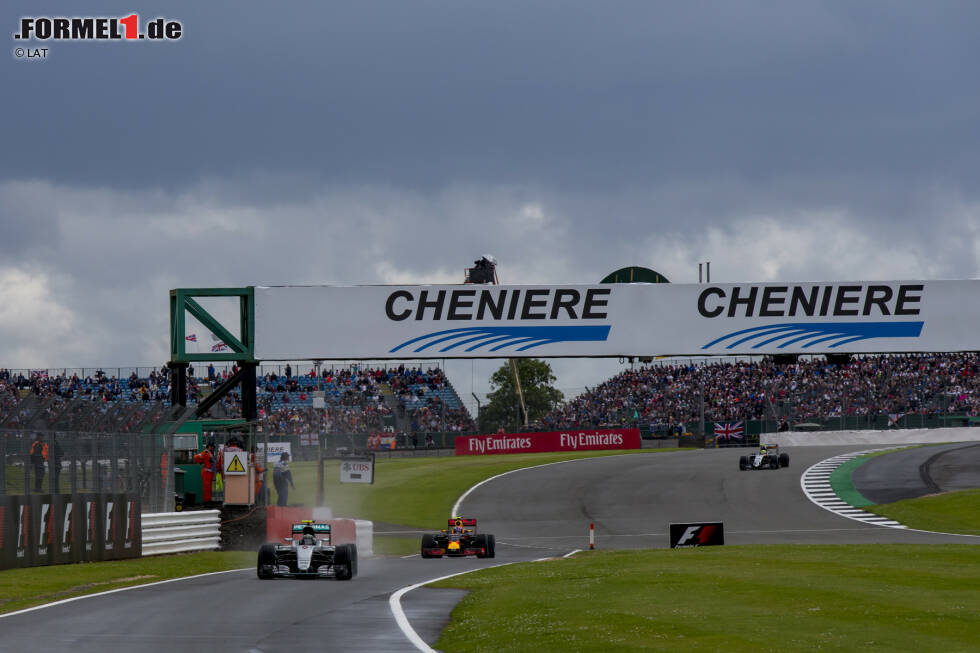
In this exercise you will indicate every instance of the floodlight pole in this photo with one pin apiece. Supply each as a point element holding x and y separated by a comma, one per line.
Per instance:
<point>520,392</point>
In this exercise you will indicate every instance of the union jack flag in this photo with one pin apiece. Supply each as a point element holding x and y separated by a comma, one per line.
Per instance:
<point>728,430</point>
<point>219,347</point>
<point>191,338</point>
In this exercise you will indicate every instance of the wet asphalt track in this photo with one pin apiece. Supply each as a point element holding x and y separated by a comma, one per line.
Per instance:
<point>534,513</point>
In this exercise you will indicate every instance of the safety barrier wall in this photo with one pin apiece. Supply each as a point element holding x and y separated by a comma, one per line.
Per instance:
<point>893,436</point>
<point>177,532</point>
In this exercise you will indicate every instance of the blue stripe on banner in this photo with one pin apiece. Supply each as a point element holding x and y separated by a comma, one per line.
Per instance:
<point>812,333</point>
<point>505,336</point>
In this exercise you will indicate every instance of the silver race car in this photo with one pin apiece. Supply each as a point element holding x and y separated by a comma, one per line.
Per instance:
<point>767,458</point>
<point>309,553</point>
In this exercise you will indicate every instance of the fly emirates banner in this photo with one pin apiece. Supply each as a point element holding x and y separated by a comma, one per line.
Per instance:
<point>572,440</point>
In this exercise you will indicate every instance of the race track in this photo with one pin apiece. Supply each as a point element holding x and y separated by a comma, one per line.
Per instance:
<point>534,513</point>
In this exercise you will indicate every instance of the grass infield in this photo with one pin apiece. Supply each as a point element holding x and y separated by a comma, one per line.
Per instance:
<point>949,512</point>
<point>733,598</point>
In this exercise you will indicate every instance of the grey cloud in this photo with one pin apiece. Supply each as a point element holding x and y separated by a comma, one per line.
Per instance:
<point>564,95</point>
<point>377,142</point>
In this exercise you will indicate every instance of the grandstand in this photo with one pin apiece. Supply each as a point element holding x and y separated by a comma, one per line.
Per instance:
<point>877,391</point>
<point>356,399</point>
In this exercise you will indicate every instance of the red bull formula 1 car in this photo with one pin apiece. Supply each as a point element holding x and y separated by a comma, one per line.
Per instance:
<point>309,553</point>
<point>459,540</point>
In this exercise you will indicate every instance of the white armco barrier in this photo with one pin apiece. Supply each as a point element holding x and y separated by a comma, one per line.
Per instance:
<point>893,436</point>
<point>176,532</point>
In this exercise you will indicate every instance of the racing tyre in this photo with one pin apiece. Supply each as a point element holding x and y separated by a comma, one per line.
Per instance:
<point>491,546</point>
<point>774,463</point>
<point>743,463</point>
<point>267,561</point>
<point>428,542</point>
<point>344,561</point>
<point>482,543</point>
<point>784,460</point>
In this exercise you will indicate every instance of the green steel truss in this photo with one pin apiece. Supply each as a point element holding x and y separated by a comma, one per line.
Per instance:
<point>182,302</point>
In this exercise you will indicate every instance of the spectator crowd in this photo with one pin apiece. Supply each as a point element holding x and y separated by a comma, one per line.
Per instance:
<point>355,398</point>
<point>412,400</point>
<point>664,395</point>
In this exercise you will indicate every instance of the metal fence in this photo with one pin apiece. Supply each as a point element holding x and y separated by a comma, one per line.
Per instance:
<point>69,462</point>
<point>222,368</point>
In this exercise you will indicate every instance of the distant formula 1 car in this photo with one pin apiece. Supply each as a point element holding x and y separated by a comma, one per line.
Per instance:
<point>767,458</point>
<point>309,553</point>
<point>459,540</point>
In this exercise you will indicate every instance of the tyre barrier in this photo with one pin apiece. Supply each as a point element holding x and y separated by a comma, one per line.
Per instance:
<point>178,532</point>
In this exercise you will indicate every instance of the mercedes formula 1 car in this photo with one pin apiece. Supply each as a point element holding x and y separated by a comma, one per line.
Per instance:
<point>767,458</point>
<point>460,539</point>
<point>309,553</point>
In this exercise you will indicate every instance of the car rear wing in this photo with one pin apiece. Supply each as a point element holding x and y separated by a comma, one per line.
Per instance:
<point>464,521</point>
<point>317,528</point>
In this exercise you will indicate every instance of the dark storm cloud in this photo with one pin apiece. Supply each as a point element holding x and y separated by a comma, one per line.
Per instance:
<point>393,142</point>
<point>424,94</point>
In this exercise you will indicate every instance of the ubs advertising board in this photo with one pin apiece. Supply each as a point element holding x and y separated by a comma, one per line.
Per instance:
<point>578,440</point>
<point>477,321</point>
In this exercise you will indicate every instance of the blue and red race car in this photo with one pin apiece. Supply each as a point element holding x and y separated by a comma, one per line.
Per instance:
<point>459,540</point>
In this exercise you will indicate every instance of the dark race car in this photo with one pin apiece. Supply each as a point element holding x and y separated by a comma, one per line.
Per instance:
<point>459,540</point>
<point>309,553</point>
<point>767,458</point>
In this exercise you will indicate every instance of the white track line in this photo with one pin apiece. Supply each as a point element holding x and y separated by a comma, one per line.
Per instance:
<point>120,589</point>
<point>459,501</point>
<point>815,483</point>
<point>395,603</point>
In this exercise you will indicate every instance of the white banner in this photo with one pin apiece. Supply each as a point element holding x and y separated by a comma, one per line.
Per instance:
<point>357,469</point>
<point>485,321</point>
<point>276,449</point>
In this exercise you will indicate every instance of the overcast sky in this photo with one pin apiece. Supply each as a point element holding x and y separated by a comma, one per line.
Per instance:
<point>394,142</point>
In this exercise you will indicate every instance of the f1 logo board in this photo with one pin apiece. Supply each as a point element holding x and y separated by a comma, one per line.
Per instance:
<point>699,534</point>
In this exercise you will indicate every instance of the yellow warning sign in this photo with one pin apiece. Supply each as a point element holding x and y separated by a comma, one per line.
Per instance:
<point>235,462</point>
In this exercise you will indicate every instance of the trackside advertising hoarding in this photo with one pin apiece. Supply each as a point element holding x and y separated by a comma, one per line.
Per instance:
<point>486,321</point>
<point>578,440</point>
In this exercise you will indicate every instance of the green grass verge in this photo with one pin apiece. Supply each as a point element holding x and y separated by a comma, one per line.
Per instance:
<point>733,598</point>
<point>416,492</point>
<point>949,512</point>
<point>25,588</point>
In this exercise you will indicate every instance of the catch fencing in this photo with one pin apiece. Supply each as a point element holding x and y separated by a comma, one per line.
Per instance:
<point>65,462</point>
